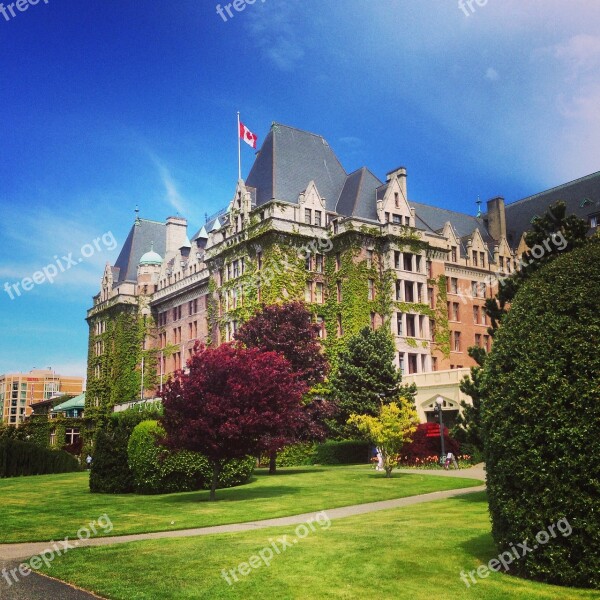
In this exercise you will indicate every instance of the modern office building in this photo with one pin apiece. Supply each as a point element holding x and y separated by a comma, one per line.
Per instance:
<point>18,391</point>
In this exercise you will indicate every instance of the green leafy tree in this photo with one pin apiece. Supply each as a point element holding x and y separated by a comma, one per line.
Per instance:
<point>555,233</point>
<point>467,427</point>
<point>539,412</point>
<point>366,376</point>
<point>389,430</point>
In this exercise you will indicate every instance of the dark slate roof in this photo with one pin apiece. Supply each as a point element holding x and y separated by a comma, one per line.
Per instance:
<point>581,196</point>
<point>357,197</point>
<point>143,234</point>
<point>289,160</point>
<point>433,218</point>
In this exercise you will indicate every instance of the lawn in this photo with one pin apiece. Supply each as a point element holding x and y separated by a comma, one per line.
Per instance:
<point>415,552</point>
<point>48,507</point>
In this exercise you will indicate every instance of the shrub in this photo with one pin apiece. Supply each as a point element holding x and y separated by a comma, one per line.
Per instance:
<point>541,393</point>
<point>422,447</point>
<point>25,458</point>
<point>296,455</point>
<point>157,471</point>
<point>110,473</point>
<point>341,453</point>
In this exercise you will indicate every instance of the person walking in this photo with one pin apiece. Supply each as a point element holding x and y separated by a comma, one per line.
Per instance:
<point>88,462</point>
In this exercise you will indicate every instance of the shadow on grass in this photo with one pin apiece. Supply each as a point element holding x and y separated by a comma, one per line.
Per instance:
<point>286,471</point>
<point>481,547</point>
<point>236,494</point>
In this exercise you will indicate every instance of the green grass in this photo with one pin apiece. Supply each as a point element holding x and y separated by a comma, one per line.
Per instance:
<point>415,552</point>
<point>48,507</point>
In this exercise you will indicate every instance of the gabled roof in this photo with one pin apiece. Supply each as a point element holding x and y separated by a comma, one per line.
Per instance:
<point>77,402</point>
<point>142,235</point>
<point>357,198</point>
<point>581,196</point>
<point>433,218</point>
<point>288,160</point>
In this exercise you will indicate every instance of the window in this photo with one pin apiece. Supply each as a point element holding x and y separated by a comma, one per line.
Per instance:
<point>430,297</point>
<point>177,313</point>
<point>236,269</point>
<point>308,292</point>
<point>372,320</point>
<point>593,221</point>
<point>453,285</point>
<point>401,362</point>
<point>340,329</point>
<point>476,315</point>
<point>419,292</point>
<point>321,324</point>
<point>397,259</point>
<point>457,341</point>
<point>339,291</point>
<point>486,340</point>
<point>319,263</point>
<point>408,262</point>
<point>397,219</point>
<point>407,221</point>
<point>399,324</point>
<point>501,261</point>
<point>454,254</point>
<point>474,287</point>
<point>478,340</point>
<point>396,199</point>
<point>434,363</point>
<point>413,363</point>
<point>419,260</point>
<point>455,312</point>
<point>410,326</point>
<point>318,218</point>
<point>398,290</point>
<point>308,262</point>
<point>429,267</point>
<point>475,258</point>
<point>369,258</point>
<point>259,260</point>
<point>409,295</point>
<point>483,290</point>
<point>338,262</point>
<point>371,289</point>
<point>319,293</point>
<point>482,259</point>
<point>308,216</point>
<point>71,435</point>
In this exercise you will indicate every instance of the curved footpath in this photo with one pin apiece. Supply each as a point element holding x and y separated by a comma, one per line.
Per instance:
<point>41,587</point>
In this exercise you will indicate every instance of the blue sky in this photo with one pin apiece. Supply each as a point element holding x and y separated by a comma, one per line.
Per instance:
<point>109,104</point>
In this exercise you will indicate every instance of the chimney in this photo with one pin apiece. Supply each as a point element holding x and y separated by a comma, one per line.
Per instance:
<point>496,218</point>
<point>176,234</point>
<point>400,175</point>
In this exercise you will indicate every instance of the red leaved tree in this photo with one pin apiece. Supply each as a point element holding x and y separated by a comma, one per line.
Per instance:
<point>288,329</point>
<point>229,402</point>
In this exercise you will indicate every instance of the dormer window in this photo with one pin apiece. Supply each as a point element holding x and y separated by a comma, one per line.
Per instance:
<point>397,219</point>
<point>308,216</point>
<point>593,220</point>
<point>397,200</point>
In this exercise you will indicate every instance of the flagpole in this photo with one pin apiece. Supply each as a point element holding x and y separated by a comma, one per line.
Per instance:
<point>239,148</point>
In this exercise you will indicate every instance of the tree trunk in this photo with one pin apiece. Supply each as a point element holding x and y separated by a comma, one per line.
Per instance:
<point>272,462</point>
<point>215,481</point>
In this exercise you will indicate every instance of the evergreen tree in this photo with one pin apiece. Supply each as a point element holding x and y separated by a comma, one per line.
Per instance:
<point>366,377</point>
<point>467,428</point>
<point>554,234</point>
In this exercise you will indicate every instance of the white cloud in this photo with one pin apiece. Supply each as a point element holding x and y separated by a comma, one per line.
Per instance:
<point>172,195</point>
<point>275,30</point>
<point>491,74</point>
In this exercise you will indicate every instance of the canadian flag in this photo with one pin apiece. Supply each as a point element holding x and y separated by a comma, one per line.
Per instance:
<point>249,137</point>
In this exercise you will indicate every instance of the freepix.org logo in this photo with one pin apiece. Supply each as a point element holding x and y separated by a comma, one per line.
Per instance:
<point>9,12</point>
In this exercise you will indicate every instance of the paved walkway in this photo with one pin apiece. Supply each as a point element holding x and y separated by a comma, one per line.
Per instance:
<point>38,587</point>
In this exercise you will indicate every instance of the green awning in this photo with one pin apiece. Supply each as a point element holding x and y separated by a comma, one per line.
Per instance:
<point>74,403</point>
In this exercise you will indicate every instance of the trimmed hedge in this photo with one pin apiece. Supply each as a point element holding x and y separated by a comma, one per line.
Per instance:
<point>110,472</point>
<point>25,458</point>
<point>297,455</point>
<point>157,471</point>
<point>346,452</point>
<point>541,394</point>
